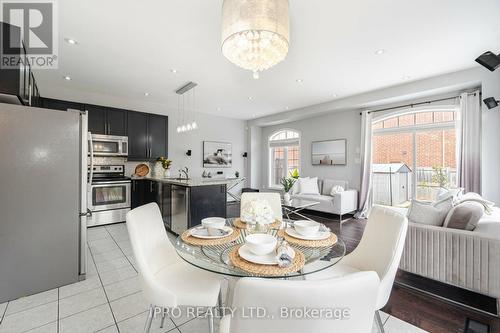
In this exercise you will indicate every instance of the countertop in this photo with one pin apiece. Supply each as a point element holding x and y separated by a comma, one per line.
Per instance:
<point>193,181</point>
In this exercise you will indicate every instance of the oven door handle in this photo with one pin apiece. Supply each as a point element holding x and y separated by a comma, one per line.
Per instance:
<point>112,183</point>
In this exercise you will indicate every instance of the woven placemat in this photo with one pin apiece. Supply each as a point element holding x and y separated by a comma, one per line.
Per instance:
<point>332,240</point>
<point>187,238</point>
<point>238,223</point>
<point>266,270</point>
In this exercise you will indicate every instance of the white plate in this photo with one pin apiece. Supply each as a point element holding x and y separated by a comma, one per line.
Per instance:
<point>201,232</point>
<point>319,236</point>
<point>268,259</point>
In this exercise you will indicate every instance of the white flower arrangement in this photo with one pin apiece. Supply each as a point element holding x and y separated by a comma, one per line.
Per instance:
<point>257,212</point>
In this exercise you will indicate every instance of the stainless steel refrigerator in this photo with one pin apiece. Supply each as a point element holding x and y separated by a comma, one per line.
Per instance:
<point>43,193</point>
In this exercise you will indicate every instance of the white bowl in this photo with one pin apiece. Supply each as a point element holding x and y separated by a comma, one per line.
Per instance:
<point>306,228</point>
<point>213,222</point>
<point>261,244</point>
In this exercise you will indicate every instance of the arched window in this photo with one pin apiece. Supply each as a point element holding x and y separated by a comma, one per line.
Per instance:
<point>284,151</point>
<point>421,142</point>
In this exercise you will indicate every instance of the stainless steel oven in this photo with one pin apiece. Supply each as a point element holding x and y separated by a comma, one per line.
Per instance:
<point>109,145</point>
<point>109,194</point>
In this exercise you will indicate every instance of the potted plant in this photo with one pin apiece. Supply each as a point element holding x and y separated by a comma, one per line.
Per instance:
<point>287,186</point>
<point>165,163</point>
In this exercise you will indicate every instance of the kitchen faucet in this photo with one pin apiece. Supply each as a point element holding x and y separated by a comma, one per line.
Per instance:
<point>184,171</point>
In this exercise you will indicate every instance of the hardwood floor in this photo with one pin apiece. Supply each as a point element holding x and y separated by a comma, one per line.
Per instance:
<point>422,302</point>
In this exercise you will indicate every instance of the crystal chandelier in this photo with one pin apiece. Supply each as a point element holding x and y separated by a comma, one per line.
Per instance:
<point>255,33</point>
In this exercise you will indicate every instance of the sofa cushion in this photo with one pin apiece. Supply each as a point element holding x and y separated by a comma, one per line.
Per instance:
<point>430,213</point>
<point>464,216</point>
<point>314,197</point>
<point>328,184</point>
<point>308,186</point>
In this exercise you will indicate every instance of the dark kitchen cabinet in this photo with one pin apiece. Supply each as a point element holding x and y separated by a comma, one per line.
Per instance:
<point>138,145</point>
<point>144,191</point>
<point>157,131</point>
<point>56,104</point>
<point>147,136</point>
<point>108,121</point>
<point>206,201</point>
<point>116,120</point>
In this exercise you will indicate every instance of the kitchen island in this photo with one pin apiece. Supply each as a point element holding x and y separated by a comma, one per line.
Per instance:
<point>183,203</point>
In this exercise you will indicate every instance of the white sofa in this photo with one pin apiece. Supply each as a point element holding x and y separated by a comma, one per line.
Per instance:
<point>465,259</point>
<point>340,204</point>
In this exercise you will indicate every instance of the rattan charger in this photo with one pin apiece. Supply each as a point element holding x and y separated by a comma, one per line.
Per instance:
<point>238,223</point>
<point>266,270</point>
<point>330,241</point>
<point>187,238</point>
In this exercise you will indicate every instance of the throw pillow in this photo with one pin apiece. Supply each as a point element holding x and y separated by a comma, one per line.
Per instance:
<point>296,187</point>
<point>455,193</point>
<point>464,216</point>
<point>429,213</point>
<point>336,189</point>
<point>308,185</point>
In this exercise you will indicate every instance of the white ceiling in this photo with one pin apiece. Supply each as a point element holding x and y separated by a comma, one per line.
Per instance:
<point>127,47</point>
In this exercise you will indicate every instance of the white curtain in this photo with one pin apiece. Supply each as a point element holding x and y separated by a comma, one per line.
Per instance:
<point>365,195</point>
<point>469,142</point>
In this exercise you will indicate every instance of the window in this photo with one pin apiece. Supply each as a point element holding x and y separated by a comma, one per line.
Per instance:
<point>284,149</point>
<point>422,140</point>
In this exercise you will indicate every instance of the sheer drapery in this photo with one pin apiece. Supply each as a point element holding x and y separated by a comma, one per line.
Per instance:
<point>365,195</point>
<point>469,142</point>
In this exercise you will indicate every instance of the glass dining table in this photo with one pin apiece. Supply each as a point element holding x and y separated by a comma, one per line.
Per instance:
<point>216,258</point>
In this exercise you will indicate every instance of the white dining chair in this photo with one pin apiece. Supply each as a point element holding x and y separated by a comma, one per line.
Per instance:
<point>273,199</point>
<point>167,280</point>
<point>351,300</point>
<point>380,250</point>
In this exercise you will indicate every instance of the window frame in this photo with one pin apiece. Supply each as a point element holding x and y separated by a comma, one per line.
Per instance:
<point>285,158</point>
<point>416,128</point>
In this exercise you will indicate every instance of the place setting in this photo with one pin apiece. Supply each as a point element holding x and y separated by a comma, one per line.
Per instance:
<point>308,233</point>
<point>212,231</point>
<point>266,255</point>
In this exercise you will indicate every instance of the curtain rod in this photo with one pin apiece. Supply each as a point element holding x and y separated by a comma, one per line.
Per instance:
<point>416,104</point>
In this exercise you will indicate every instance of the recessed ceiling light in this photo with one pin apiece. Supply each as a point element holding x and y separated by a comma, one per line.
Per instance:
<point>380,51</point>
<point>254,116</point>
<point>335,95</point>
<point>406,77</point>
<point>250,98</point>
<point>71,41</point>
<point>219,108</point>
<point>146,94</point>
<point>286,108</point>
<point>174,71</point>
<point>67,78</point>
<point>299,80</point>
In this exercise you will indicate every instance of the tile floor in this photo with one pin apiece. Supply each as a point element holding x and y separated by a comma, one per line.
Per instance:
<point>109,300</point>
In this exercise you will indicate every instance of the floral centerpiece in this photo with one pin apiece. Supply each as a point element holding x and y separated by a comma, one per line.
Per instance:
<point>166,164</point>
<point>257,212</point>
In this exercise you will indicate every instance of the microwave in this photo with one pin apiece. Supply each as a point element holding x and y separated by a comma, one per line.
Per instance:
<point>109,145</point>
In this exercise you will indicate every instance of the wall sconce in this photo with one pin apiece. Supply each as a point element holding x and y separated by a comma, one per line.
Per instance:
<point>188,153</point>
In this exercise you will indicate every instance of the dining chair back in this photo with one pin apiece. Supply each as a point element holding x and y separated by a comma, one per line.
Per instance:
<point>273,199</point>
<point>343,305</point>
<point>380,248</point>
<point>167,281</point>
<point>150,244</point>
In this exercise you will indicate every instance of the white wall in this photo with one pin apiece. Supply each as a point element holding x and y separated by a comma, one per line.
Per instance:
<point>211,128</point>
<point>341,125</point>
<point>421,90</point>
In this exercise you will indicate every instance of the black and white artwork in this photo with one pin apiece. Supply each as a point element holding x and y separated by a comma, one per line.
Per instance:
<point>217,154</point>
<point>332,152</point>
